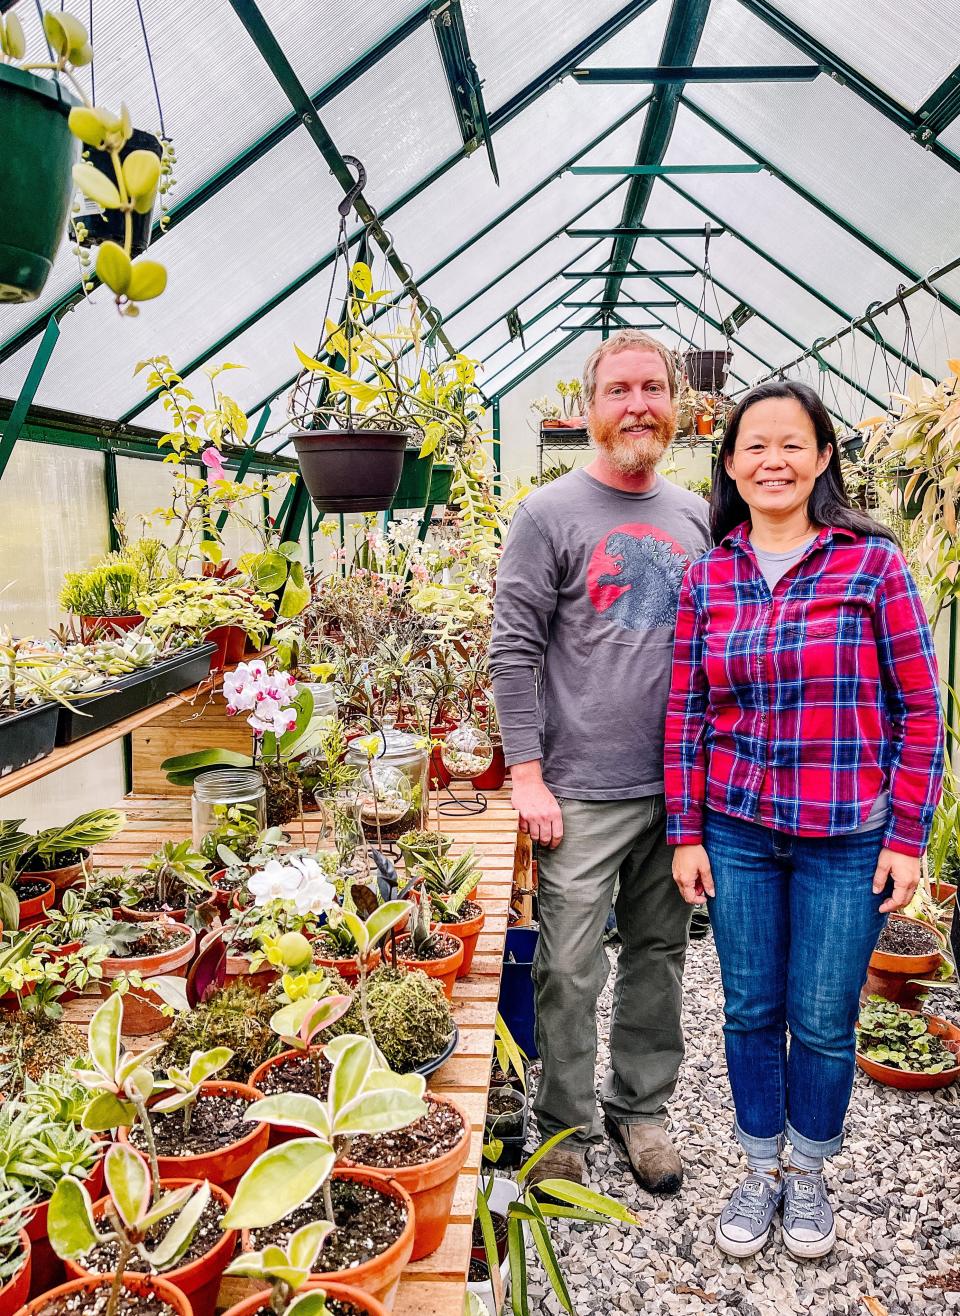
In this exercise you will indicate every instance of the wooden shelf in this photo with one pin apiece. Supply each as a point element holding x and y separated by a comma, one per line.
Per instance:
<point>97,739</point>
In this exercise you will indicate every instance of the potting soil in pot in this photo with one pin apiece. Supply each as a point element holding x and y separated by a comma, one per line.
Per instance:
<point>103,1257</point>
<point>426,1139</point>
<point>217,1121</point>
<point>155,938</point>
<point>368,1222</point>
<point>440,945</point>
<point>467,911</point>
<point>29,1044</point>
<point>298,1074</point>
<point>901,937</point>
<point>335,1306</point>
<point>95,1304</point>
<point>28,889</point>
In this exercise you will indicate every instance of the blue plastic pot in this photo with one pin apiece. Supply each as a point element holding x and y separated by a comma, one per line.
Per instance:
<point>516,987</point>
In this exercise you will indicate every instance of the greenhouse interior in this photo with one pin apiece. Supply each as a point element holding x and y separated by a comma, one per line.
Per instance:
<point>479,657</point>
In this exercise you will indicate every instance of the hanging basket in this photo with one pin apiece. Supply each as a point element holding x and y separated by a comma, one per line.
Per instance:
<point>36,183</point>
<point>110,225</point>
<point>347,470</point>
<point>414,487</point>
<point>707,371</point>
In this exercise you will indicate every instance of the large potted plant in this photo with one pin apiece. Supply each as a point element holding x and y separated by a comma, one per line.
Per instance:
<point>906,1049</point>
<point>61,855</point>
<point>105,597</point>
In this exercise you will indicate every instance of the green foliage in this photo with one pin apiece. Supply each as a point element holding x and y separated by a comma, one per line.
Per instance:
<point>895,1037</point>
<point>323,770</point>
<point>56,846</point>
<point>449,881</point>
<point>14,1213</point>
<point>114,585</point>
<point>409,1017</point>
<point>201,604</point>
<point>177,875</point>
<point>36,1153</point>
<point>237,1017</point>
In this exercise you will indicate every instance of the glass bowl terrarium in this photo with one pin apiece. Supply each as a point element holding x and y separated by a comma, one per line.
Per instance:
<point>466,751</point>
<point>385,799</point>
<point>400,752</point>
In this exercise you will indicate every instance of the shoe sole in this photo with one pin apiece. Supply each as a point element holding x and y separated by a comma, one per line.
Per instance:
<point>666,1186</point>
<point>747,1247</point>
<point>808,1249</point>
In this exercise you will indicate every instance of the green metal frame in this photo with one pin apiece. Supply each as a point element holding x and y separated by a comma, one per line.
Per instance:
<point>915,125</point>
<point>659,170</point>
<point>18,415</point>
<point>535,344</point>
<point>463,79</point>
<point>629,274</point>
<point>621,231</point>
<point>535,365</point>
<point>661,73</point>
<point>941,107</point>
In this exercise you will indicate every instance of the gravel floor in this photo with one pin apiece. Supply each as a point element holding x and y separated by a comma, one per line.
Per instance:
<point>895,1189</point>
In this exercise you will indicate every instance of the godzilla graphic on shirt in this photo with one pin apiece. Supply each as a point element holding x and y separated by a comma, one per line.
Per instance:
<point>634,577</point>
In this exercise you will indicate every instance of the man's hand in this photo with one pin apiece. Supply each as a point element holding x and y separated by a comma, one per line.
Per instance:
<point>905,871</point>
<point>691,872</point>
<point>537,806</point>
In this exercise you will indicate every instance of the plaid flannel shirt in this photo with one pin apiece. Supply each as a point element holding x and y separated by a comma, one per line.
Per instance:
<point>796,709</point>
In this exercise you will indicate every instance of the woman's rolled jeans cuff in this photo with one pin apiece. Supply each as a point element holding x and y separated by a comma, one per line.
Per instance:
<point>762,1148</point>
<point>810,1148</point>
<point>765,1148</point>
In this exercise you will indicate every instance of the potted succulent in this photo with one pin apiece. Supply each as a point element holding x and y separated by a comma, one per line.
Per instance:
<point>106,597</point>
<point>438,953</point>
<point>29,711</point>
<point>906,1049</point>
<point>14,1249</point>
<point>173,883</point>
<point>449,884</point>
<point>366,1218</point>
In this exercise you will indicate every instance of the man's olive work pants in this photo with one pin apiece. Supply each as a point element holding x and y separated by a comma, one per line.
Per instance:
<point>602,838</point>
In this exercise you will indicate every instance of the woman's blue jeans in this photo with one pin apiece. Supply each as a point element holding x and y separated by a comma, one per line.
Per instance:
<point>795,921</point>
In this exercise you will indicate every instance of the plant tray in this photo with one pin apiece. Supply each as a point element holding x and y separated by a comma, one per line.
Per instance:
<point>565,437</point>
<point>428,1067</point>
<point>139,690</point>
<point>27,736</point>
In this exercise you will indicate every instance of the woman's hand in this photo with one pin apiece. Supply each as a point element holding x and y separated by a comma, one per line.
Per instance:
<point>904,869</point>
<point>691,872</point>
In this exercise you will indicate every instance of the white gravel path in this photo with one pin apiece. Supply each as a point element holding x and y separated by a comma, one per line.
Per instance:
<point>895,1189</point>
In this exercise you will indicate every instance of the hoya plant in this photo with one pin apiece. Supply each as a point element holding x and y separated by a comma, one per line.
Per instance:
<point>132,1212</point>
<point>186,1083</point>
<point>287,1269</point>
<point>364,1096</point>
<point>301,1022</point>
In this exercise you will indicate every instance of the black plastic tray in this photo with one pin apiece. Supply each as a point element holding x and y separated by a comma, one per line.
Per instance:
<point>131,693</point>
<point>27,736</point>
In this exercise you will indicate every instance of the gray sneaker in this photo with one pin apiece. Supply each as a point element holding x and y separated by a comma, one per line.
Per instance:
<point>744,1224</point>
<point>808,1228</point>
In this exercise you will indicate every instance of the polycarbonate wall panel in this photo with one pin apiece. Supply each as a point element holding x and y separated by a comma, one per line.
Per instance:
<point>53,519</point>
<point>904,47</point>
<point>831,143</point>
<point>510,50</point>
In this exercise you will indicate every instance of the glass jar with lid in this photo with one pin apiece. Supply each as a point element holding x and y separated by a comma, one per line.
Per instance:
<point>402,752</point>
<point>321,719</point>
<point>229,807</point>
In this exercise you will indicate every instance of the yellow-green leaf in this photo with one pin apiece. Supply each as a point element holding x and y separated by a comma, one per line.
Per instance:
<point>14,42</point>
<point>88,126</point>
<point>148,279</point>
<point>141,173</point>
<point>114,267</point>
<point>96,186</point>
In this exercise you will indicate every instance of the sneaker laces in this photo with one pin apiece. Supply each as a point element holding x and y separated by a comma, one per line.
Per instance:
<point>750,1199</point>
<point>806,1200</point>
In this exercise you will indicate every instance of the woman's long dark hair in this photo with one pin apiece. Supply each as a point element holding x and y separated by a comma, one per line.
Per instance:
<point>829,503</point>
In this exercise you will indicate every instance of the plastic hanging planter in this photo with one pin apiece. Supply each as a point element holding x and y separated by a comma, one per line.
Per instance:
<point>36,182</point>
<point>415,481</point>
<point>348,470</point>
<point>110,225</point>
<point>707,371</point>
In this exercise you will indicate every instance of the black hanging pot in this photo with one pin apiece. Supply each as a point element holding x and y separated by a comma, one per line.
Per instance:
<point>351,470</point>
<point>707,371</point>
<point>111,224</point>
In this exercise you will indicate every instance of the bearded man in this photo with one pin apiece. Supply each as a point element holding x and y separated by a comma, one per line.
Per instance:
<point>581,655</point>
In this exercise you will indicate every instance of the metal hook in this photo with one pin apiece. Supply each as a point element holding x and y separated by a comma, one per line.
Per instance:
<point>346,205</point>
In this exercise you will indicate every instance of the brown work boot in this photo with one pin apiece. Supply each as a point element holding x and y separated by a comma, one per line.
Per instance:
<point>652,1156</point>
<point>561,1162</point>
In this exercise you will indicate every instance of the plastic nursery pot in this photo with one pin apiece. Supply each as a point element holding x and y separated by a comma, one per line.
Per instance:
<point>444,969</point>
<point>381,1274</point>
<point>414,487</point>
<point>891,975</point>
<point>102,626</point>
<point>225,1165</point>
<point>707,370</point>
<point>36,182</point>
<point>912,1082</point>
<point>141,1008</point>
<point>466,932</point>
<point>494,777</point>
<point>29,734</point>
<point>109,225</point>
<point>198,1281</point>
<point>238,968</point>
<point>431,1185</point>
<point>365,1302</point>
<point>347,470</point>
<point>34,910</point>
<point>15,1293</point>
<point>65,1296</point>
<point>63,878</point>
<point>516,987</point>
<point>46,1268</point>
<point>231,641</point>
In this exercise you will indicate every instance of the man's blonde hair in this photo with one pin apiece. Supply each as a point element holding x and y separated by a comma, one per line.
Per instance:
<point>627,340</point>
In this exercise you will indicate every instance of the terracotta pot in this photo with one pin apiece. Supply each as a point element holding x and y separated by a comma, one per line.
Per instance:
<point>907,1082</point>
<point>94,626</point>
<point>345,1292</point>
<point>15,1293</point>
<point>131,914</point>
<point>198,1281</point>
<point>349,969</point>
<point>221,899</point>
<point>431,1186</point>
<point>226,1165</point>
<point>63,878</point>
<point>278,1132</point>
<point>466,932</point>
<point>445,970</point>
<point>238,968</point>
<point>439,776</point>
<point>943,891</point>
<point>34,910</point>
<point>150,1284</point>
<point>494,776</point>
<point>380,1275</point>
<point>231,642</point>
<point>704,423</point>
<point>46,1267</point>
<point>891,975</point>
<point>141,1008</point>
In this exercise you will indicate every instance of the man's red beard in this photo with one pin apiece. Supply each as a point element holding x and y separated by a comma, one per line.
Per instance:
<point>632,454</point>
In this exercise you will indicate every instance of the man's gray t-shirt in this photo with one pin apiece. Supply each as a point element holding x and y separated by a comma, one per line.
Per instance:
<point>584,614</point>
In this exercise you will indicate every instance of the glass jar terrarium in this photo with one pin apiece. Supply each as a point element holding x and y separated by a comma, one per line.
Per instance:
<point>402,754</point>
<point>229,807</point>
<point>466,751</point>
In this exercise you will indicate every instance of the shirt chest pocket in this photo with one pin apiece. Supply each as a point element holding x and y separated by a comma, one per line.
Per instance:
<point>845,618</point>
